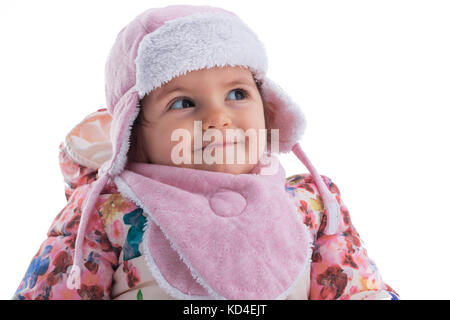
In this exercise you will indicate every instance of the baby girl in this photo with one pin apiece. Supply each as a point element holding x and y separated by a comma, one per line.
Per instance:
<point>225,99</point>
<point>174,191</point>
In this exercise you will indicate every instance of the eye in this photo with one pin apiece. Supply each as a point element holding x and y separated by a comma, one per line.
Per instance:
<point>185,103</point>
<point>240,92</point>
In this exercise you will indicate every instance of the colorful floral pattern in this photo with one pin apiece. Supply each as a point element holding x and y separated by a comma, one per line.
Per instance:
<point>340,266</point>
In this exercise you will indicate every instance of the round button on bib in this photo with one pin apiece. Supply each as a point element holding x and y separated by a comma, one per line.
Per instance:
<point>227,203</point>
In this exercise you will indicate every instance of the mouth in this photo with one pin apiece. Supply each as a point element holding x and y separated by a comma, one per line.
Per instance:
<point>220,145</point>
<point>223,145</point>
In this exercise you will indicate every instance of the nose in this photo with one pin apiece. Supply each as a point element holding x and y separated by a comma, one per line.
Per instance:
<point>216,117</point>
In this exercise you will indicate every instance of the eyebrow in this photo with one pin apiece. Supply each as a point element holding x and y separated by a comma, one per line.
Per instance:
<point>226,84</point>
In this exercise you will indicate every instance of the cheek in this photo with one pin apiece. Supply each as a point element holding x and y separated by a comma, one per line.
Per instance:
<point>160,137</point>
<point>254,117</point>
<point>146,141</point>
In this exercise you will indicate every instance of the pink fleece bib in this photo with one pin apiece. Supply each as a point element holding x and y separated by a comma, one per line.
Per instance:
<point>213,235</point>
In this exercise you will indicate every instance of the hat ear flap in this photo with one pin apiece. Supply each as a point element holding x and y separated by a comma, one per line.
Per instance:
<point>126,111</point>
<point>284,115</point>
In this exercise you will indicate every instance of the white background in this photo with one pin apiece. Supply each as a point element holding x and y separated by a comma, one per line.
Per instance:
<point>372,78</point>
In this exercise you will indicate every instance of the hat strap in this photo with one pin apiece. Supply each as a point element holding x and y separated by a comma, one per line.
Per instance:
<point>330,203</point>
<point>73,280</point>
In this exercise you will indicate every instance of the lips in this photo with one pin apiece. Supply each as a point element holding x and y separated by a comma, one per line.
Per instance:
<point>215,145</point>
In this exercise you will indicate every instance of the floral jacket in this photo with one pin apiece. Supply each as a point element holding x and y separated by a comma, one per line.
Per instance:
<point>339,269</point>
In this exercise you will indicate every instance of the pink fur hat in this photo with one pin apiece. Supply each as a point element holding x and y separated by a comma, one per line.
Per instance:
<point>163,43</point>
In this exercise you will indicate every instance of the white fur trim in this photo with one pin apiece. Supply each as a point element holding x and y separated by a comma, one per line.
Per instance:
<point>121,158</point>
<point>193,42</point>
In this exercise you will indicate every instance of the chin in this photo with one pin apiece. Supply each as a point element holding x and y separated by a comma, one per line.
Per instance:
<point>228,168</point>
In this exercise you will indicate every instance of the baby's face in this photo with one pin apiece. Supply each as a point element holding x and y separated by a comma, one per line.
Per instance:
<point>221,98</point>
